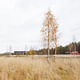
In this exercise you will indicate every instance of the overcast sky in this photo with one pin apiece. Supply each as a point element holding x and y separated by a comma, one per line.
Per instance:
<point>21,22</point>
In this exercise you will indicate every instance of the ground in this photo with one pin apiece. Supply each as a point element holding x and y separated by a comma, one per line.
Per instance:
<point>39,68</point>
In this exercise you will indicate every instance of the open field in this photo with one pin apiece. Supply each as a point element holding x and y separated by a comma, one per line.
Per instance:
<point>39,68</point>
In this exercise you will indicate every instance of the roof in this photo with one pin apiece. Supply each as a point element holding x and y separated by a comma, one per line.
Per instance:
<point>75,52</point>
<point>19,51</point>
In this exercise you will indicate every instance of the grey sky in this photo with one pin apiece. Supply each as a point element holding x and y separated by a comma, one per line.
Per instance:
<point>21,22</point>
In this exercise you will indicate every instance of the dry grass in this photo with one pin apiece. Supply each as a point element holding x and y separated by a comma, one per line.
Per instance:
<point>28,68</point>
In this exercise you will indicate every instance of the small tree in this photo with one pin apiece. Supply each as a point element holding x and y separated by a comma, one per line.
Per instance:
<point>70,47</point>
<point>10,50</point>
<point>49,31</point>
<point>31,52</point>
<point>25,50</point>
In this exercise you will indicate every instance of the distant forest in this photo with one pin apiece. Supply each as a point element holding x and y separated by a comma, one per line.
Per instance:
<point>61,49</point>
<point>74,46</point>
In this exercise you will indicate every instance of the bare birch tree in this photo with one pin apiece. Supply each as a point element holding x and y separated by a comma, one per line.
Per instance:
<point>10,50</point>
<point>49,31</point>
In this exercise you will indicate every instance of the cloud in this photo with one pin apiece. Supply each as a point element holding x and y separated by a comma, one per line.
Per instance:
<point>21,21</point>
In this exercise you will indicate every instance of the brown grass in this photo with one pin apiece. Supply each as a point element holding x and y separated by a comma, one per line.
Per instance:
<point>37,68</point>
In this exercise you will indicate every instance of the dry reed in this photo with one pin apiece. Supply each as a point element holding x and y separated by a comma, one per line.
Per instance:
<point>37,68</point>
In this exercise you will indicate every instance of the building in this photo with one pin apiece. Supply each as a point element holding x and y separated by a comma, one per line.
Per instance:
<point>20,52</point>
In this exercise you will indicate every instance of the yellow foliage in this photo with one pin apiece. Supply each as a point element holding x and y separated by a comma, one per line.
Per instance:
<point>31,52</point>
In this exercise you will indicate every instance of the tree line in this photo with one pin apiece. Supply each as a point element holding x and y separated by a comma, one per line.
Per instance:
<point>60,49</point>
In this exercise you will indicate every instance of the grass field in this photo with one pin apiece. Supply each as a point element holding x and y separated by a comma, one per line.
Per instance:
<point>39,68</point>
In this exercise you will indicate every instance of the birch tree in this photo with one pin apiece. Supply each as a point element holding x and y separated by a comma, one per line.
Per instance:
<point>49,31</point>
